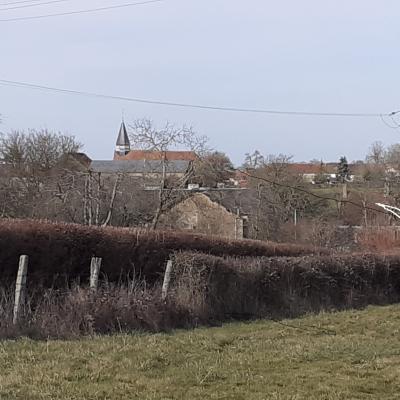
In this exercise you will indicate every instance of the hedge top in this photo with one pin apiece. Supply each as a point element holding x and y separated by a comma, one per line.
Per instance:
<point>59,249</point>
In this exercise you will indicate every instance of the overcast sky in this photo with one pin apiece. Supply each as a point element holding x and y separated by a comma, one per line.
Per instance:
<point>313,55</point>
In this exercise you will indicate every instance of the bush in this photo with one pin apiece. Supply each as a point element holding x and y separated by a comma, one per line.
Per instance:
<point>61,253</point>
<point>214,288</point>
<point>208,290</point>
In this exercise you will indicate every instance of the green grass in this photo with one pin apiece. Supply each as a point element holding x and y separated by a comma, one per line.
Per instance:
<point>258,360</point>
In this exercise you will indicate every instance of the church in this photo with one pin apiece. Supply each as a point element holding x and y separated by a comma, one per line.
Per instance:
<point>124,152</point>
<point>135,162</point>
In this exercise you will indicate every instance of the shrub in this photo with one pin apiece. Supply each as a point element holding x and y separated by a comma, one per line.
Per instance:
<point>215,288</point>
<point>61,253</point>
<point>207,290</point>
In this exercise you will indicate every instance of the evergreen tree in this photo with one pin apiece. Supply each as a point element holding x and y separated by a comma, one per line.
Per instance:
<point>343,171</point>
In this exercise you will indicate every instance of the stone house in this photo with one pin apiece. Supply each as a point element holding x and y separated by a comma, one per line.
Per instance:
<point>200,214</point>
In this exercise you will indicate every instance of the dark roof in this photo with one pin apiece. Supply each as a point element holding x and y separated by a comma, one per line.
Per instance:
<point>138,166</point>
<point>158,155</point>
<point>80,157</point>
<point>123,139</point>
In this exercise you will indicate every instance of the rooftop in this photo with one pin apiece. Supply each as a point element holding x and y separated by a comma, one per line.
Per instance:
<point>150,155</point>
<point>139,166</point>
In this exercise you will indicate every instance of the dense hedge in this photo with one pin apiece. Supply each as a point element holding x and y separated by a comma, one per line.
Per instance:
<point>220,288</point>
<point>60,252</point>
<point>207,290</point>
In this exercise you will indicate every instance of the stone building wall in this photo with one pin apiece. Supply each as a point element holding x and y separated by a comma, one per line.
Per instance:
<point>201,215</point>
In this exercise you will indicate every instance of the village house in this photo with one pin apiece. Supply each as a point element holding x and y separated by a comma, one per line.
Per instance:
<point>311,171</point>
<point>199,214</point>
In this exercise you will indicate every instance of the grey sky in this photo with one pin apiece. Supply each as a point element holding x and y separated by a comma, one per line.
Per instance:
<point>331,55</point>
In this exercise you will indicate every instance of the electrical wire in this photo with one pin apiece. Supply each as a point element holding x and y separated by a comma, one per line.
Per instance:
<point>392,115</point>
<point>92,10</point>
<point>397,125</point>
<point>31,5</point>
<point>19,2</point>
<point>387,123</point>
<point>188,105</point>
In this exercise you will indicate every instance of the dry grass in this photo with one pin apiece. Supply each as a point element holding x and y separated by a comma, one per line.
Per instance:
<point>81,312</point>
<point>255,361</point>
<point>379,240</point>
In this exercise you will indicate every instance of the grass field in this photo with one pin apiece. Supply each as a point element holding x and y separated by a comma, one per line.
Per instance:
<point>258,360</point>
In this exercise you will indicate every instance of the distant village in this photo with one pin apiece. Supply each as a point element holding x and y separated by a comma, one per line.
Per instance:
<point>268,197</point>
<point>138,162</point>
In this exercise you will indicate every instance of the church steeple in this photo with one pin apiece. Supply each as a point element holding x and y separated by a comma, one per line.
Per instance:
<point>123,146</point>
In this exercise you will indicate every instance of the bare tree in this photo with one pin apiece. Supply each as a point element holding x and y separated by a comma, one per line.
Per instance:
<point>13,149</point>
<point>377,153</point>
<point>273,205</point>
<point>213,168</point>
<point>145,135</point>
<point>99,197</point>
<point>253,160</point>
<point>36,151</point>
<point>28,163</point>
<point>392,155</point>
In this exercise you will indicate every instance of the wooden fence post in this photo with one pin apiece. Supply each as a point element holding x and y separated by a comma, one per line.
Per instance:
<point>20,287</point>
<point>94,272</point>
<point>167,279</point>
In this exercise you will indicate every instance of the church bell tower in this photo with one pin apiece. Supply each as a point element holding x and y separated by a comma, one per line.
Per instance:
<point>123,146</point>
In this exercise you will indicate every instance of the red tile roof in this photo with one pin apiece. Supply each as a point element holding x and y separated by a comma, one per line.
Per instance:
<point>303,168</point>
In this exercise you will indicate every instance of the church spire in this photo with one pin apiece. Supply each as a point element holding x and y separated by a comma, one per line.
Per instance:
<point>123,145</point>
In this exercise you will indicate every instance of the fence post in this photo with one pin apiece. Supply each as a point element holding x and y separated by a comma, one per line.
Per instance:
<point>94,272</point>
<point>167,279</point>
<point>20,287</point>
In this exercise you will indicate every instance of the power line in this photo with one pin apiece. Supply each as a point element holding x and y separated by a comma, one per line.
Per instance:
<point>81,11</point>
<point>31,5</point>
<point>188,105</point>
<point>395,124</point>
<point>19,2</point>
